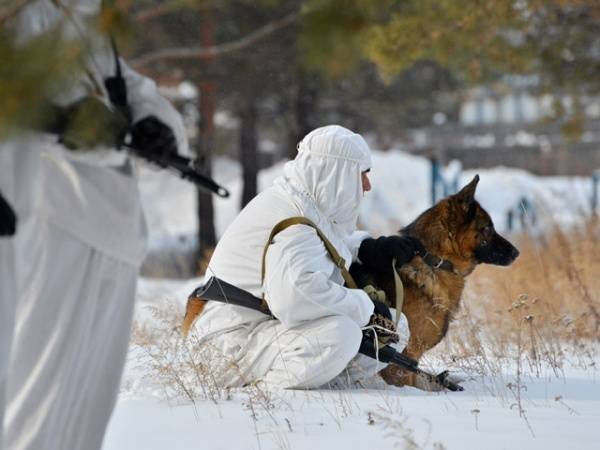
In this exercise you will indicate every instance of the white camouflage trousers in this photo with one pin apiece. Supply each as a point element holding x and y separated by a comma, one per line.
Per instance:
<point>315,354</point>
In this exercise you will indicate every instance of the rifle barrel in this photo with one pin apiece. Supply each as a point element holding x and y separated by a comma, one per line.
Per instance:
<point>185,168</point>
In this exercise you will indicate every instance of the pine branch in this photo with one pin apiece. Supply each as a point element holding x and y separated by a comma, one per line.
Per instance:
<point>216,50</point>
<point>152,12</point>
<point>12,9</point>
<point>155,11</point>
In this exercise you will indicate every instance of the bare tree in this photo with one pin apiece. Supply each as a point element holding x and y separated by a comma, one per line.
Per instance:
<point>207,88</point>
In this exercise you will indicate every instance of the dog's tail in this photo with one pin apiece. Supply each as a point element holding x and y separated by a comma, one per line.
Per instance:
<point>193,309</point>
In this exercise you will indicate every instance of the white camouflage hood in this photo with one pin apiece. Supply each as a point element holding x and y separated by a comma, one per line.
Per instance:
<point>326,176</point>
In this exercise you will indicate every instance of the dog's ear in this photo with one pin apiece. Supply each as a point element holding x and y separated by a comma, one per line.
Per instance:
<point>466,196</point>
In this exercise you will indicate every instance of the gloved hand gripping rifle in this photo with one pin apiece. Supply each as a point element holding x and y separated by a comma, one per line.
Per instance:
<point>186,168</point>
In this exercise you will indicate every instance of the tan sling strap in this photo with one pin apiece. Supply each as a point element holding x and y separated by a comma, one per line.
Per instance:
<point>399,287</point>
<point>333,254</point>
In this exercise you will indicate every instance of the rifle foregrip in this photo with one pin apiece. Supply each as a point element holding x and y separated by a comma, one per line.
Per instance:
<point>386,354</point>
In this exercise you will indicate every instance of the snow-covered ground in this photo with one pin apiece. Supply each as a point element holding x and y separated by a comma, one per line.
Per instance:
<point>554,412</point>
<point>366,419</point>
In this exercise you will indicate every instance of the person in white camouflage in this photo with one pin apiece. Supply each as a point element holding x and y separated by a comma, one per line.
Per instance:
<point>68,272</point>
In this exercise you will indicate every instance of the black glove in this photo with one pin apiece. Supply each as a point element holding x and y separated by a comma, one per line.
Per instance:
<point>382,309</point>
<point>151,137</point>
<point>8,218</point>
<point>378,254</point>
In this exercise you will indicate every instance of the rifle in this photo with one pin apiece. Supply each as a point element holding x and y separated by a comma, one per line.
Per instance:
<point>218,290</point>
<point>186,168</point>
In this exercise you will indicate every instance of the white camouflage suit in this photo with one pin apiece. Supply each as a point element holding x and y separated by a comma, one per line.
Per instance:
<point>318,328</point>
<point>68,277</point>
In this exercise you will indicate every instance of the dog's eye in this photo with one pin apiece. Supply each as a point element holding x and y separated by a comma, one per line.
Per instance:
<point>487,232</point>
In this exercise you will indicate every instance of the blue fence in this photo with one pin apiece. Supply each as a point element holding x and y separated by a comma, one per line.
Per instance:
<point>522,214</point>
<point>443,185</point>
<point>595,184</point>
<point>445,182</point>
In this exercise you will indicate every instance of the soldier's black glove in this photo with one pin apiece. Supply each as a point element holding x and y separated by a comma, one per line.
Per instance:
<point>151,137</point>
<point>382,309</point>
<point>378,254</point>
<point>8,218</point>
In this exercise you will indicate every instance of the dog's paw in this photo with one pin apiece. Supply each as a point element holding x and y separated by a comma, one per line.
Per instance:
<point>442,381</point>
<point>394,376</point>
<point>419,274</point>
<point>429,384</point>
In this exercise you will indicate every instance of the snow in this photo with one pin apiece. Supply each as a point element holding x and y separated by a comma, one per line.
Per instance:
<point>340,419</point>
<point>556,412</point>
<point>401,191</point>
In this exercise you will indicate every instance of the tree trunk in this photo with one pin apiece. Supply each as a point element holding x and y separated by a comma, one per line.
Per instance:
<point>207,106</point>
<point>248,143</point>
<point>291,116</point>
<point>303,101</point>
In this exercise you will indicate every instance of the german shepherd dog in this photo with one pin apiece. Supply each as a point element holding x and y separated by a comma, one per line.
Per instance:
<point>458,234</point>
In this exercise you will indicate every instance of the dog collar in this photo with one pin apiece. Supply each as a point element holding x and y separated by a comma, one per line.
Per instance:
<point>436,262</point>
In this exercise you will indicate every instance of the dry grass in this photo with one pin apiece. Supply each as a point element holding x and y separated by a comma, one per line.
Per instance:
<point>183,369</point>
<point>539,313</point>
<point>533,318</point>
<point>396,429</point>
<point>190,369</point>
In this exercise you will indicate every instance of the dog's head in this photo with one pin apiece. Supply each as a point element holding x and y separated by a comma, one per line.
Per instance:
<point>476,229</point>
<point>458,226</point>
